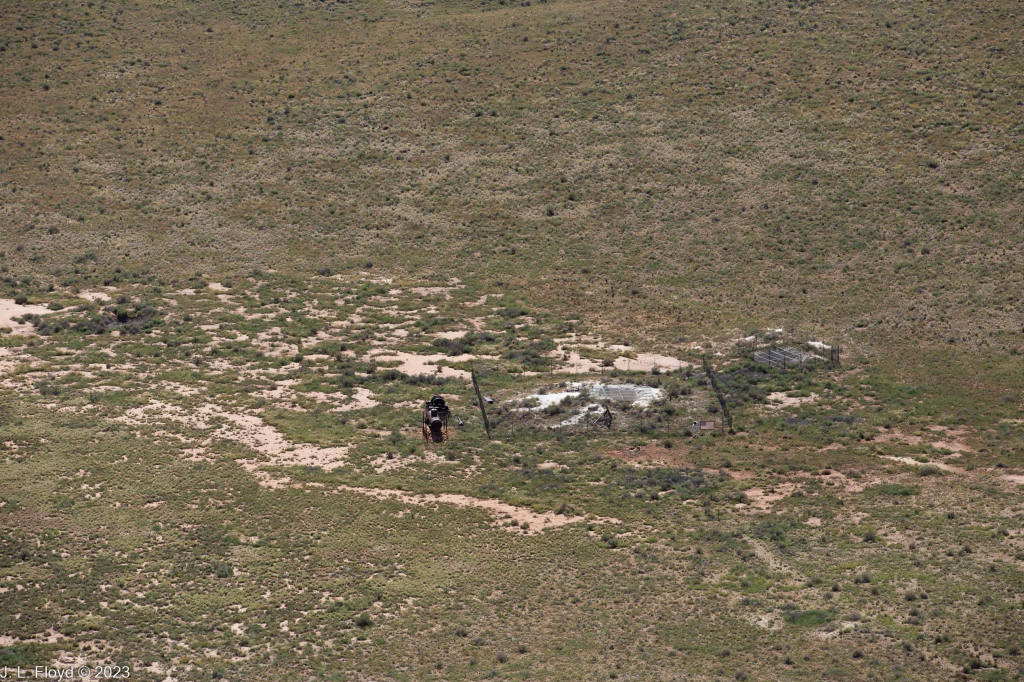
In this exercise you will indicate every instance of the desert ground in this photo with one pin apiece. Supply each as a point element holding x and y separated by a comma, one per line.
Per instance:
<point>242,243</point>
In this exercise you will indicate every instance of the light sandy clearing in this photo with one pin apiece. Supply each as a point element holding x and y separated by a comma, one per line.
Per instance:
<point>8,364</point>
<point>568,350</point>
<point>480,301</point>
<point>762,499</point>
<point>414,363</point>
<point>780,399</point>
<point>768,557</point>
<point>446,335</point>
<point>551,465</point>
<point>283,395</point>
<point>249,430</point>
<point>9,310</point>
<point>645,362</point>
<point>101,296</point>
<point>384,463</point>
<point>913,462</point>
<point>951,439</point>
<point>574,363</point>
<point>433,291</point>
<point>537,522</point>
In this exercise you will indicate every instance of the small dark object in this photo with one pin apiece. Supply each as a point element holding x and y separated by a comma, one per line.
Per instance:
<point>435,420</point>
<point>459,419</point>
<point>605,419</point>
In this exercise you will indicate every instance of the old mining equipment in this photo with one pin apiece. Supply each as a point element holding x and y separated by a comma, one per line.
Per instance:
<point>435,420</point>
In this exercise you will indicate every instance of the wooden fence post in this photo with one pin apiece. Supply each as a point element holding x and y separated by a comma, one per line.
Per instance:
<point>480,401</point>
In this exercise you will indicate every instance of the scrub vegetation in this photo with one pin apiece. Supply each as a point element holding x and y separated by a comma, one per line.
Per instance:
<point>243,242</point>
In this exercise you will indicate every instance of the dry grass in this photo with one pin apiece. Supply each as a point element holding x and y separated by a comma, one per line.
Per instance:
<point>237,221</point>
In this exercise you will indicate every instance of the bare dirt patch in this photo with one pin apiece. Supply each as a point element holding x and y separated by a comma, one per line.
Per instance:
<point>249,430</point>
<point>416,364</point>
<point>6,363</point>
<point>913,462</point>
<point>762,499</point>
<point>284,395</point>
<point>646,362</point>
<point>769,558</point>
<point>779,399</point>
<point>100,296</point>
<point>568,350</point>
<point>951,439</point>
<point>527,520</point>
<point>392,462</point>
<point>651,455</point>
<point>9,310</point>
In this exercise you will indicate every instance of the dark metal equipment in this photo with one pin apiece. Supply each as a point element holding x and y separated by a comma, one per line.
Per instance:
<point>435,420</point>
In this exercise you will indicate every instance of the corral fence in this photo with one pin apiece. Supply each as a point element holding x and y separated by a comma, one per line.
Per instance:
<point>788,356</point>
<point>709,371</point>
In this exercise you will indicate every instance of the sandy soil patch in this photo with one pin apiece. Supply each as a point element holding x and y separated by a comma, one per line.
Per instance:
<point>650,455</point>
<point>272,344</point>
<point>551,466</point>
<point>6,363</point>
<point>768,621</point>
<point>645,362</point>
<point>536,522</point>
<point>217,286</point>
<point>414,363</point>
<point>249,430</point>
<point>574,363</point>
<point>482,300</point>
<point>913,462</point>
<point>568,350</point>
<point>384,463</point>
<point>9,310</point>
<point>889,436</point>
<point>949,439</point>
<point>252,432</point>
<point>738,474</point>
<point>445,335</point>
<point>433,291</point>
<point>952,439</point>
<point>175,387</point>
<point>283,395</point>
<point>362,399</point>
<point>1013,478</point>
<point>768,557</point>
<point>100,296</point>
<point>779,399</point>
<point>762,499</point>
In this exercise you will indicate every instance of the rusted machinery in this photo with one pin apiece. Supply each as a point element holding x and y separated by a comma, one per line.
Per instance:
<point>435,420</point>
